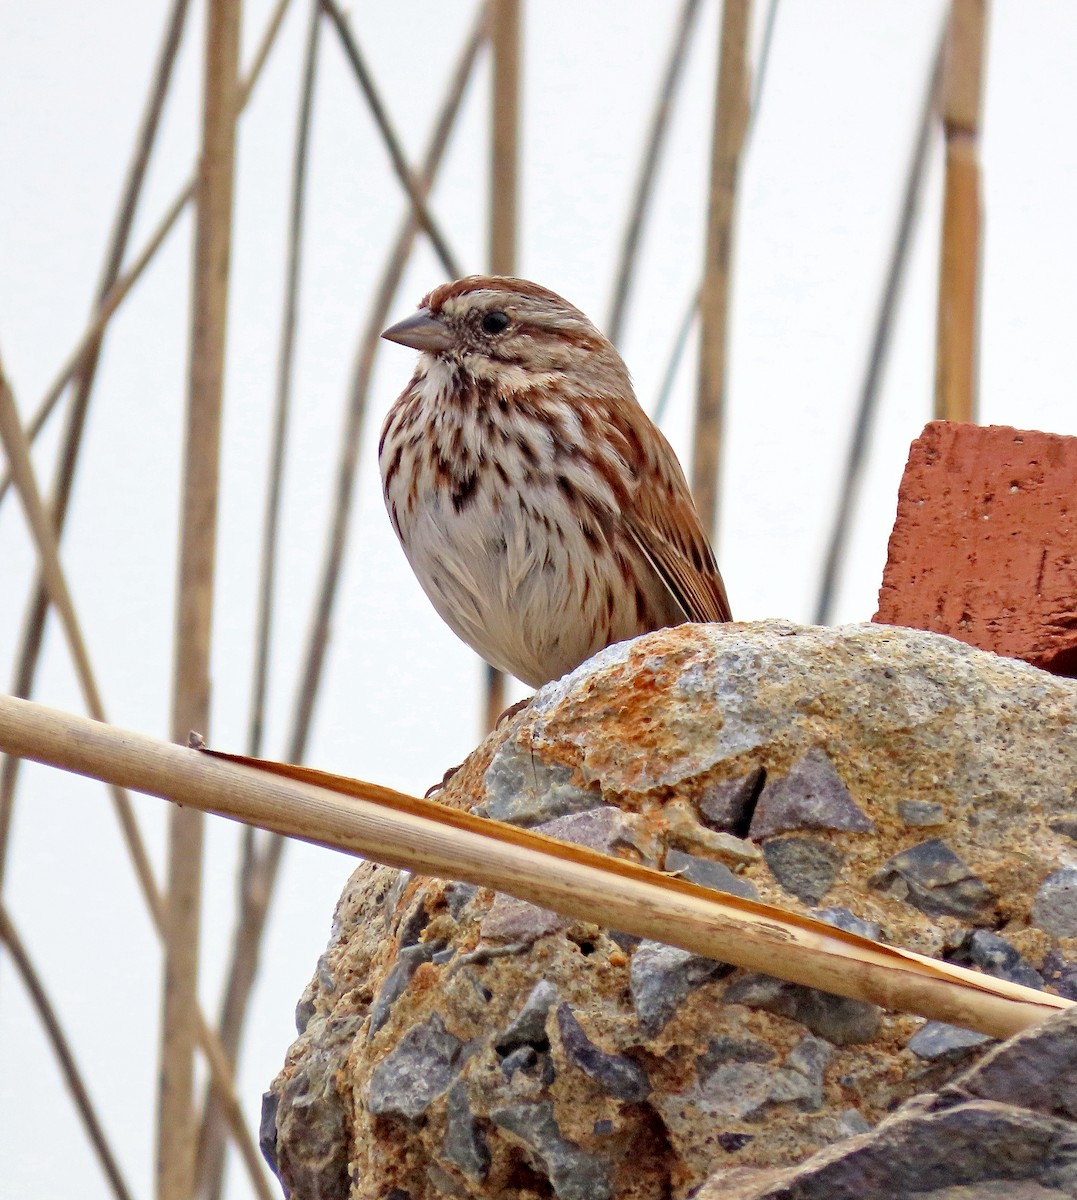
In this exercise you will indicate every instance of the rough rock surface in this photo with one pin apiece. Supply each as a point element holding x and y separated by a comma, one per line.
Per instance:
<point>984,547</point>
<point>454,1043</point>
<point>1006,1128</point>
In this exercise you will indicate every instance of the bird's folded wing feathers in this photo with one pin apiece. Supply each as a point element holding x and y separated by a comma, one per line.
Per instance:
<point>668,532</point>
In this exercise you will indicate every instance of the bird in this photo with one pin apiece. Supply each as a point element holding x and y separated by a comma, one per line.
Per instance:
<point>542,511</point>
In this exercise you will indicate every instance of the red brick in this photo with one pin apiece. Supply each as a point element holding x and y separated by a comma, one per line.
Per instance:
<point>984,547</point>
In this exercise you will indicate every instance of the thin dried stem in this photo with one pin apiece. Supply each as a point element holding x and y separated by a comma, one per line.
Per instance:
<point>648,169</point>
<point>261,52</point>
<point>504,135</point>
<point>731,110</point>
<point>880,344</point>
<point>121,288</point>
<point>680,341</point>
<point>17,448</point>
<point>391,140</point>
<point>177,1132</point>
<point>427,838</point>
<point>211,1142</point>
<point>504,211</point>
<point>959,265</point>
<point>282,403</point>
<point>61,1047</point>
<point>259,878</point>
<point>71,441</point>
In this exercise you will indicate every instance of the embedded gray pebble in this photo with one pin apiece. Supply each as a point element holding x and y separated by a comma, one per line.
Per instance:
<point>921,813</point>
<point>937,1040</point>
<point>419,1068</point>
<point>523,790</point>
<point>790,1087</point>
<point>267,1130</point>
<point>853,1122</point>
<point>707,873</point>
<point>413,923</point>
<point>602,829</point>
<point>811,796</point>
<point>574,1173</point>
<point>528,1027</point>
<point>458,896</point>
<point>408,961</point>
<point>845,918</point>
<point>725,1049</point>
<point>464,1144</point>
<point>615,1074</point>
<point>810,1057</point>
<point>994,955</point>
<point>661,976</point>
<point>1054,909</point>
<point>392,897</point>
<point>734,1092</point>
<point>1060,974</point>
<point>523,1058</point>
<point>1066,826</point>
<point>517,923</point>
<point>932,878</point>
<point>800,1080</point>
<point>726,805</point>
<point>805,867</point>
<point>304,1012</point>
<point>1037,1069</point>
<point>840,1020</point>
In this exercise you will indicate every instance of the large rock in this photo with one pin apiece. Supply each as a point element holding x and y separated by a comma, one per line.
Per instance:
<point>454,1043</point>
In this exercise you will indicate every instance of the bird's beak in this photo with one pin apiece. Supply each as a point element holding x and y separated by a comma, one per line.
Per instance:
<point>420,331</point>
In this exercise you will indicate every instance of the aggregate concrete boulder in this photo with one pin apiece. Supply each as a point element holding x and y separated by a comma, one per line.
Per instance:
<point>898,783</point>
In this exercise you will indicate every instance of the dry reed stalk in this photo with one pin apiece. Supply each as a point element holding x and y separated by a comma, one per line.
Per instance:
<point>71,439</point>
<point>731,111</point>
<point>61,1048</point>
<point>211,1140</point>
<point>259,875</point>
<point>424,837</point>
<point>504,135</point>
<point>959,266</point>
<point>648,169</point>
<point>176,1123</point>
<point>880,343</point>
<point>680,340</point>
<point>504,212</point>
<point>91,336</point>
<point>389,137</point>
<point>17,448</point>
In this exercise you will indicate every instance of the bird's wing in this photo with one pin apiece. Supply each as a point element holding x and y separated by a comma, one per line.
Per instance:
<point>662,521</point>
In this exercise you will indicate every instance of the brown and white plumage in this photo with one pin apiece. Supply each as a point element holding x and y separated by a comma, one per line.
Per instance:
<point>543,513</point>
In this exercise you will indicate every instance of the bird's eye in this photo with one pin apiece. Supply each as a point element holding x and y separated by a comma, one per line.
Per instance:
<point>495,322</point>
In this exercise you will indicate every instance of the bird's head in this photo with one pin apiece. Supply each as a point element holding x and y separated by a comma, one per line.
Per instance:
<point>513,333</point>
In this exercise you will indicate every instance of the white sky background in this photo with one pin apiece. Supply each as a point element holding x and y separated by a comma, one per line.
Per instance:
<point>401,697</point>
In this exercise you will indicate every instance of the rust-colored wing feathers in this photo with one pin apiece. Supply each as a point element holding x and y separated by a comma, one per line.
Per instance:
<point>661,519</point>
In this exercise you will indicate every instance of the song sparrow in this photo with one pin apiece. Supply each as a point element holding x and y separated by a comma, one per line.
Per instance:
<point>543,513</point>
